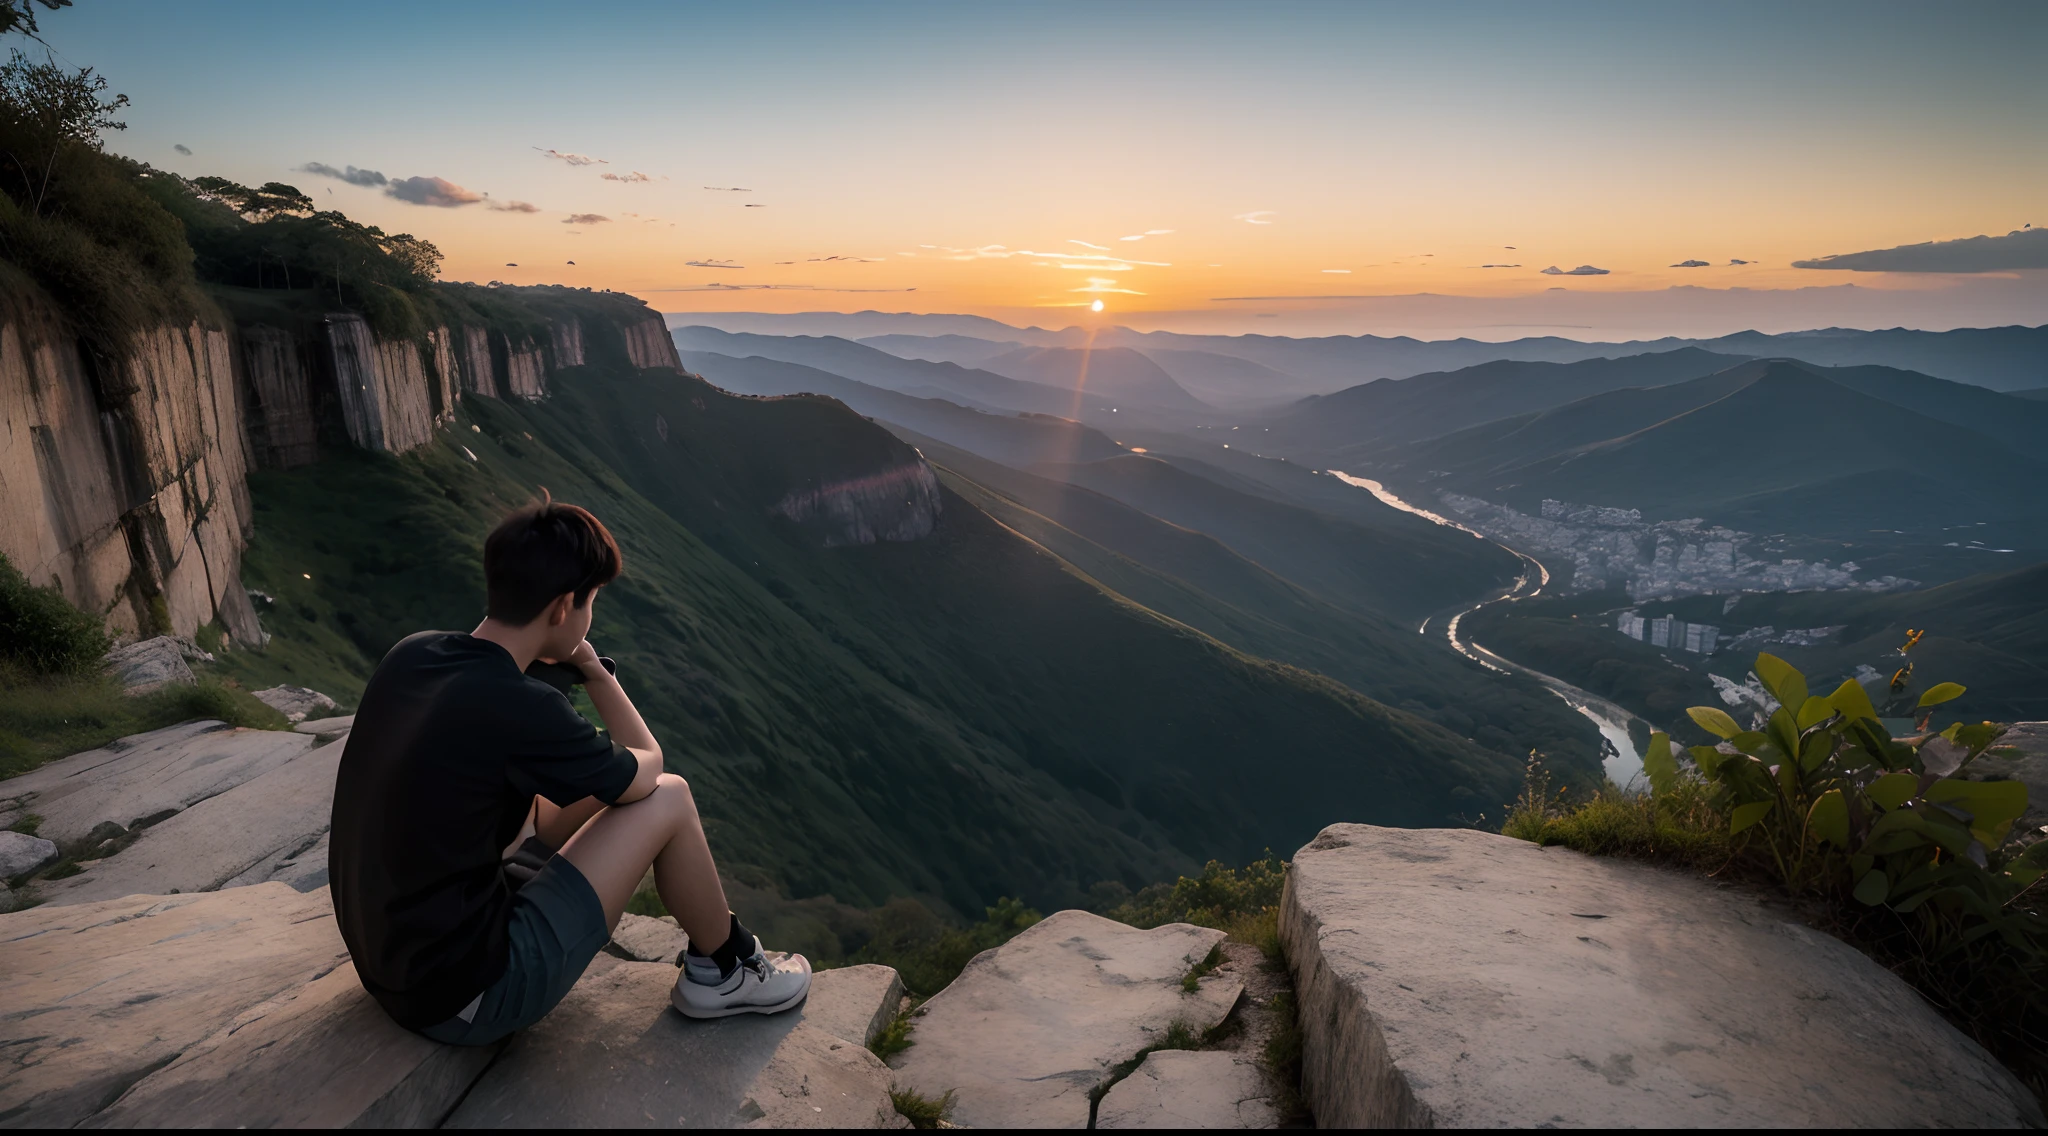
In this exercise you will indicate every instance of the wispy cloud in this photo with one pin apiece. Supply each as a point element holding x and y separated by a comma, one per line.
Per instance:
<point>833,259</point>
<point>728,189</point>
<point>723,287</point>
<point>1256,217</point>
<point>513,206</point>
<point>585,219</point>
<point>181,148</point>
<point>2017,251</point>
<point>636,175</point>
<point>1090,244</point>
<point>432,191</point>
<point>1692,264</point>
<point>1732,263</point>
<point>1338,271</point>
<point>1099,266</point>
<point>1500,266</point>
<point>349,174</point>
<point>1146,233</point>
<point>714,264</point>
<point>1101,285</point>
<point>572,159</point>
<point>1582,270</point>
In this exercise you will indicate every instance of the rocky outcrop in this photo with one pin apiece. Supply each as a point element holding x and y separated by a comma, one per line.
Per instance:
<point>282,427</point>
<point>155,663</point>
<point>899,503</point>
<point>1031,1028</point>
<point>240,1009</point>
<point>1455,978</point>
<point>296,703</point>
<point>472,347</point>
<point>565,343</point>
<point>522,372</point>
<point>1181,1089</point>
<point>124,480</point>
<point>648,344</point>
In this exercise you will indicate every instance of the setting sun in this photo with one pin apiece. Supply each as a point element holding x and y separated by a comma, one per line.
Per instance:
<point>1096,306</point>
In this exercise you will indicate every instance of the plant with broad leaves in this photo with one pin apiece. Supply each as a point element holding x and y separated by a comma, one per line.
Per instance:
<point>1840,803</point>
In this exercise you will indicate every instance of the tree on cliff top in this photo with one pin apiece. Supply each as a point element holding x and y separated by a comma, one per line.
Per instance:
<point>20,15</point>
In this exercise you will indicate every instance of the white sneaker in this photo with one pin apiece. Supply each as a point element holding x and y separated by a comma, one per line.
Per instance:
<point>760,984</point>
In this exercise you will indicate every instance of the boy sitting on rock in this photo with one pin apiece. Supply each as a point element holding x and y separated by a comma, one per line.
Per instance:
<point>467,761</point>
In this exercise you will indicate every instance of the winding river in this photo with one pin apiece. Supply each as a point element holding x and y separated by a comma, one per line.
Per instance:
<point>1622,763</point>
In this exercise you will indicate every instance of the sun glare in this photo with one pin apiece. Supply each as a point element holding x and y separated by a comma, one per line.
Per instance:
<point>1096,306</point>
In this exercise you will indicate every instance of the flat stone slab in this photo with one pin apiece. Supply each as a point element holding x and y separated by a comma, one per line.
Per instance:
<point>1030,1028</point>
<point>1454,978</point>
<point>340,725</point>
<point>277,817</point>
<point>1178,1088</point>
<point>296,703</point>
<point>614,1054</point>
<point>645,938</point>
<point>853,1002</point>
<point>324,1055</point>
<point>98,996</point>
<point>144,776</point>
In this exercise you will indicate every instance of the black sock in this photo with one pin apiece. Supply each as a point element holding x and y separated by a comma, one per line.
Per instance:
<point>739,943</point>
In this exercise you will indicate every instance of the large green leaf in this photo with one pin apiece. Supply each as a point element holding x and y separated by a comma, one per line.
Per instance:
<point>1779,677</point>
<point>1660,765</point>
<point>1813,712</point>
<point>1708,759</point>
<point>1746,816</point>
<point>1940,693</point>
<point>1993,805</point>
<point>1893,789</point>
<point>1828,819</point>
<point>2030,865</point>
<point>1871,889</point>
<point>1852,701</point>
<point>1714,721</point>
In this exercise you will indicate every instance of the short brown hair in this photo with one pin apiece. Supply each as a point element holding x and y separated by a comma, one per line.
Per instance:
<point>542,551</point>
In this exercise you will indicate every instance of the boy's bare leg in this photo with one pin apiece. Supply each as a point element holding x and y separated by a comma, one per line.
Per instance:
<point>615,847</point>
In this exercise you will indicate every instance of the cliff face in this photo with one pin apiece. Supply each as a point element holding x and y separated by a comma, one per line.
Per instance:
<point>125,482</point>
<point>899,503</point>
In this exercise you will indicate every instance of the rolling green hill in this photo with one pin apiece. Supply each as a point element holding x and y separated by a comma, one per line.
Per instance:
<point>1767,445</point>
<point>1118,374</point>
<point>1405,576</point>
<point>960,716</point>
<point>1363,418</point>
<point>1194,578</point>
<point>1019,439</point>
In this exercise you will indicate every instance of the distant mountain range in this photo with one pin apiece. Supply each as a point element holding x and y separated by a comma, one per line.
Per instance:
<point>1762,446</point>
<point>2002,358</point>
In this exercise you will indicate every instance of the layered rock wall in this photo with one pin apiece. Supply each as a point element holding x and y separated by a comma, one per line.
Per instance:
<point>125,482</point>
<point>899,503</point>
<point>648,344</point>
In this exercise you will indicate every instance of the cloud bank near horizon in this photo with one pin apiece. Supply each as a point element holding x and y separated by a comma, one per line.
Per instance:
<point>2018,251</point>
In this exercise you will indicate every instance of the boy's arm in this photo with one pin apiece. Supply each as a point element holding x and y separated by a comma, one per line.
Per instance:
<point>620,717</point>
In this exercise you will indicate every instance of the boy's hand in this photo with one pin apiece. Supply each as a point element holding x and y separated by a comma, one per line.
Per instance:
<point>584,658</point>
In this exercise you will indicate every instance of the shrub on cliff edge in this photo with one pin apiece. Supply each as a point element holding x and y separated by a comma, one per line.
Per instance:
<point>41,632</point>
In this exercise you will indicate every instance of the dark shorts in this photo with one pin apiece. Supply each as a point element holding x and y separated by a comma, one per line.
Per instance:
<point>557,927</point>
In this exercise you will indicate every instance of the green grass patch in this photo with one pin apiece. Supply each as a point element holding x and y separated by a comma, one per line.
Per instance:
<point>1192,980</point>
<point>894,1038</point>
<point>920,1110</point>
<point>46,717</point>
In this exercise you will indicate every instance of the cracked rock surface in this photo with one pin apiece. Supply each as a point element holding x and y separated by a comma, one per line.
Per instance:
<point>1455,978</point>
<point>1030,1028</point>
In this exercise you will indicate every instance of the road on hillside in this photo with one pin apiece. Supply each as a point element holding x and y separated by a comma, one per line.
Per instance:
<point>1621,761</point>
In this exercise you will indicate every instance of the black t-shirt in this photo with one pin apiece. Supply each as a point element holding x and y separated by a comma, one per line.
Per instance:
<point>450,746</point>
